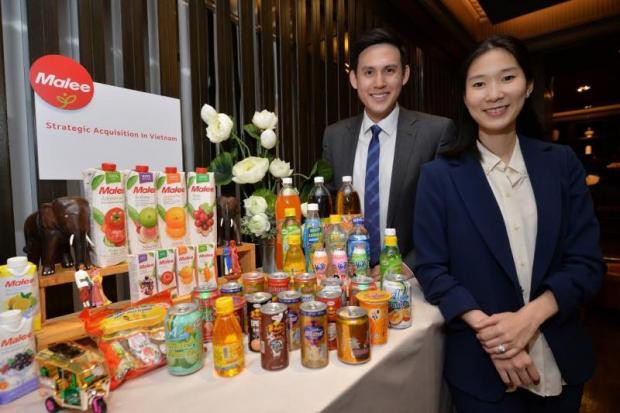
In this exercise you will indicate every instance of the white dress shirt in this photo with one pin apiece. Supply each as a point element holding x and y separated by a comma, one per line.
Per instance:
<point>515,197</point>
<point>387,143</point>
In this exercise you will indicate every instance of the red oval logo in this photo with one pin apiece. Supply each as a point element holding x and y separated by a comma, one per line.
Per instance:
<point>62,82</point>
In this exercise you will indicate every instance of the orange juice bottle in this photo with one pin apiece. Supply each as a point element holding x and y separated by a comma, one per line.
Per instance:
<point>228,357</point>
<point>287,198</point>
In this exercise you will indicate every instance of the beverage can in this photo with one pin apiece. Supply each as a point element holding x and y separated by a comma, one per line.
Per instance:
<point>376,303</point>
<point>314,351</point>
<point>204,296</point>
<point>183,326</point>
<point>399,287</point>
<point>334,284</point>
<point>333,300</point>
<point>273,345</point>
<point>253,282</point>
<point>353,333</point>
<point>231,288</point>
<point>305,283</point>
<point>254,303</point>
<point>307,297</point>
<point>320,261</point>
<point>292,299</point>
<point>360,283</point>
<point>278,282</point>
<point>239,311</point>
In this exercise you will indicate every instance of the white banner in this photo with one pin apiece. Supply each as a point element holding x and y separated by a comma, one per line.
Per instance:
<point>119,125</point>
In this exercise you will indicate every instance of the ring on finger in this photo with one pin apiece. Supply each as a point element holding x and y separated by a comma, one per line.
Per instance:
<point>501,349</point>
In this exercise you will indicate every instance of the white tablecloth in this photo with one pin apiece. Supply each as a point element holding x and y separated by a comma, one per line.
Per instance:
<point>403,376</point>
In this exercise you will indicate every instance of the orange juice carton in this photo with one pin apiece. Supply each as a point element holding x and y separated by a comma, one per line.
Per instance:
<point>142,280</point>
<point>142,230</point>
<point>201,207</point>
<point>165,274</point>
<point>205,264</point>
<point>105,192</point>
<point>171,208</point>
<point>186,269</point>
<point>19,289</point>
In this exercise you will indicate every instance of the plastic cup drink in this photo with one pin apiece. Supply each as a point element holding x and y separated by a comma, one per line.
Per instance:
<point>376,303</point>
<point>320,262</point>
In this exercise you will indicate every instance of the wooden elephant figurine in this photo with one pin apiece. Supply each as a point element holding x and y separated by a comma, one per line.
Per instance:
<point>54,230</point>
<point>228,216</point>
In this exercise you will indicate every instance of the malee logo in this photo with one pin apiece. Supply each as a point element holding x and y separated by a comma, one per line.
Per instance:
<point>110,190</point>
<point>62,82</point>
<point>11,341</point>
<point>18,283</point>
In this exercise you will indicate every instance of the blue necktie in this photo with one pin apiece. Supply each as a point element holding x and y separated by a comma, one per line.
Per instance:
<point>371,196</point>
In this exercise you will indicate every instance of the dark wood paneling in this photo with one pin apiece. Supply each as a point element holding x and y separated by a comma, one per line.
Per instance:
<point>304,123</point>
<point>317,97</point>
<point>168,47</point>
<point>224,52</point>
<point>267,66</point>
<point>289,145</point>
<point>247,35</point>
<point>134,29</point>
<point>92,37</point>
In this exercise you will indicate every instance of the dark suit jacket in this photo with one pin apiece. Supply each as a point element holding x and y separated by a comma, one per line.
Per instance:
<point>464,260</point>
<point>418,138</point>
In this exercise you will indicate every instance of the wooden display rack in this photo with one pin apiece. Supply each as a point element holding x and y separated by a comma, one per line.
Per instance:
<point>70,327</point>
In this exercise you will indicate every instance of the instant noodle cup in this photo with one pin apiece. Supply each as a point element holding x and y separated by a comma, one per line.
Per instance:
<point>376,303</point>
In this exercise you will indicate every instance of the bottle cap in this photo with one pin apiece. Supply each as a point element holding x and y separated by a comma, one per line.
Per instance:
<point>294,239</point>
<point>141,168</point>
<point>11,318</point>
<point>319,180</point>
<point>108,167</point>
<point>334,219</point>
<point>201,170</point>
<point>313,207</point>
<point>347,179</point>
<point>320,253</point>
<point>390,231</point>
<point>287,180</point>
<point>289,212</point>
<point>170,169</point>
<point>224,305</point>
<point>17,265</point>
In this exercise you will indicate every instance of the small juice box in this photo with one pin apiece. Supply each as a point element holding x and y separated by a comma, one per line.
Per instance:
<point>19,289</point>
<point>201,207</point>
<point>171,204</point>
<point>186,269</point>
<point>205,264</point>
<point>166,276</point>
<point>142,282</point>
<point>105,192</point>
<point>142,210</point>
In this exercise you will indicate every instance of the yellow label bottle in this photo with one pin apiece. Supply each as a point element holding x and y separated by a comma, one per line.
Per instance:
<point>228,356</point>
<point>294,262</point>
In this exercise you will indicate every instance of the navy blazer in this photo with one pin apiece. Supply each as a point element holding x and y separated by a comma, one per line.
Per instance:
<point>464,260</point>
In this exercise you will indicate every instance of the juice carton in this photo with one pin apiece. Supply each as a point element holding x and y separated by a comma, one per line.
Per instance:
<point>142,283</point>
<point>205,264</point>
<point>186,269</point>
<point>105,192</point>
<point>166,276</point>
<point>142,210</point>
<point>171,204</point>
<point>201,207</point>
<point>19,289</point>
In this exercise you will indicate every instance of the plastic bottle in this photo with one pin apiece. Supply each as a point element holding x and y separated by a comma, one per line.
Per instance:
<point>290,227</point>
<point>358,241</point>
<point>320,195</point>
<point>347,199</point>
<point>294,262</point>
<point>288,197</point>
<point>313,235</point>
<point>390,261</point>
<point>228,356</point>
<point>335,239</point>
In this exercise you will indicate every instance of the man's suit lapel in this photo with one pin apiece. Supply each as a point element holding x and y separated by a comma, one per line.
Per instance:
<point>350,141</point>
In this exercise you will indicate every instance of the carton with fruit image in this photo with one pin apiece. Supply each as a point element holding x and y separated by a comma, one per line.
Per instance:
<point>201,207</point>
<point>142,228</point>
<point>186,269</point>
<point>171,204</point>
<point>142,283</point>
<point>19,289</point>
<point>165,274</point>
<point>105,192</point>
<point>205,264</point>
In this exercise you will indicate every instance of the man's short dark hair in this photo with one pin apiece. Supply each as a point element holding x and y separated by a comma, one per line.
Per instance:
<point>373,37</point>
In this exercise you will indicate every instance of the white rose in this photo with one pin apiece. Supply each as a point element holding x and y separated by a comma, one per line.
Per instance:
<point>268,139</point>
<point>219,128</point>
<point>265,120</point>
<point>259,224</point>
<point>250,170</point>
<point>304,209</point>
<point>255,205</point>
<point>280,169</point>
<point>208,114</point>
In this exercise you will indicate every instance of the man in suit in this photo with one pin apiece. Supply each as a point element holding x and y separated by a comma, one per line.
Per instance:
<point>384,147</point>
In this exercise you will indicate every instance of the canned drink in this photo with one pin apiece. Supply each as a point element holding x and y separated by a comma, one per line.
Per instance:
<point>353,335</point>
<point>376,303</point>
<point>273,346</point>
<point>254,302</point>
<point>253,282</point>
<point>204,296</point>
<point>399,286</point>
<point>305,283</point>
<point>320,261</point>
<point>292,299</point>
<point>314,351</point>
<point>360,261</point>
<point>333,300</point>
<point>278,282</point>
<point>239,306</point>
<point>231,288</point>
<point>334,284</point>
<point>183,326</point>
<point>307,297</point>
<point>360,283</point>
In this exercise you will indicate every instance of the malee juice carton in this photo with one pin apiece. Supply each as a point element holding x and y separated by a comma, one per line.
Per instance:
<point>142,210</point>
<point>201,207</point>
<point>186,269</point>
<point>205,264</point>
<point>171,204</point>
<point>165,273</point>
<point>19,289</point>
<point>105,192</point>
<point>142,282</point>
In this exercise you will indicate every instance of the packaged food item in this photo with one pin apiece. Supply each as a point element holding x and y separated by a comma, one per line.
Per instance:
<point>204,296</point>
<point>314,351</point>
<point>142,231</point>
<point>205,264</point>
<point>353,332</point>
<point>201,207</point>
<point>184,339</point>
<point>273,340</point>
<point>165,270</point>
<point>228,355</point>
<point>19,289</point>
<point>18,375</point>
<point>142,275</point>
<point>131,337</point>
<point>399,287</point>
<point>376,303</point>
<point>171,204</point>
<point>292,299</point>
<point>254,303</point>
<point>105,193</point>
<point>186,269</point>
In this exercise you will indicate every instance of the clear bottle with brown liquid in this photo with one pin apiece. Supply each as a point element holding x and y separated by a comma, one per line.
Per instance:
<point>347,199</point>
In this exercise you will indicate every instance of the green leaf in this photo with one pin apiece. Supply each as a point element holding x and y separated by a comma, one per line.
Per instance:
<point>252,130</point>
<point>222,166</point>
<point>268,195</point>
<point>191,181</point>
<point>305,191</point>
<point>132,181</point>
<point>160,182</point>
<point>161,211</point>
<point>324,169</point>
<point>190,210</point>
<point>97,180</point>
<point>97,216</point>
<point>133,214</point>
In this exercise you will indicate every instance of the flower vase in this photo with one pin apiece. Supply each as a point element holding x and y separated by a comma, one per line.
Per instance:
<point>268,254</point>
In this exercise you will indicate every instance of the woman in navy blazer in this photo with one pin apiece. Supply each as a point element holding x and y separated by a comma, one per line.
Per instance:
<point>498,336</point>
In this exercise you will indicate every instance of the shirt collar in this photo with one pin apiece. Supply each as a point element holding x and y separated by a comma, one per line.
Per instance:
<point>490,161</point>
<point>387,124</point>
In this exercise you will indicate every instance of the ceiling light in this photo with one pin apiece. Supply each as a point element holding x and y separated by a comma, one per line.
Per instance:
<point>583,88</point>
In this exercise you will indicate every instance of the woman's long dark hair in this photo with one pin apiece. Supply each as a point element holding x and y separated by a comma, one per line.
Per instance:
<point>527,121</point>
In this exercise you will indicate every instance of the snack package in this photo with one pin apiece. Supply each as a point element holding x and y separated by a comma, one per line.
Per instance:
<point>132,337</point>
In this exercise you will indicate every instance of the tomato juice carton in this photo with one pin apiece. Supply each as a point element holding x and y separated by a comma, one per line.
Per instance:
<point>165,274</point>
<point>201,207</point>
<point>142,278</point>
<point>186,269</point>
<point>105,192</point>
<point>19,289</point>
<point>171,208</point>
<point>205,264</point>
<point>142,228</point>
